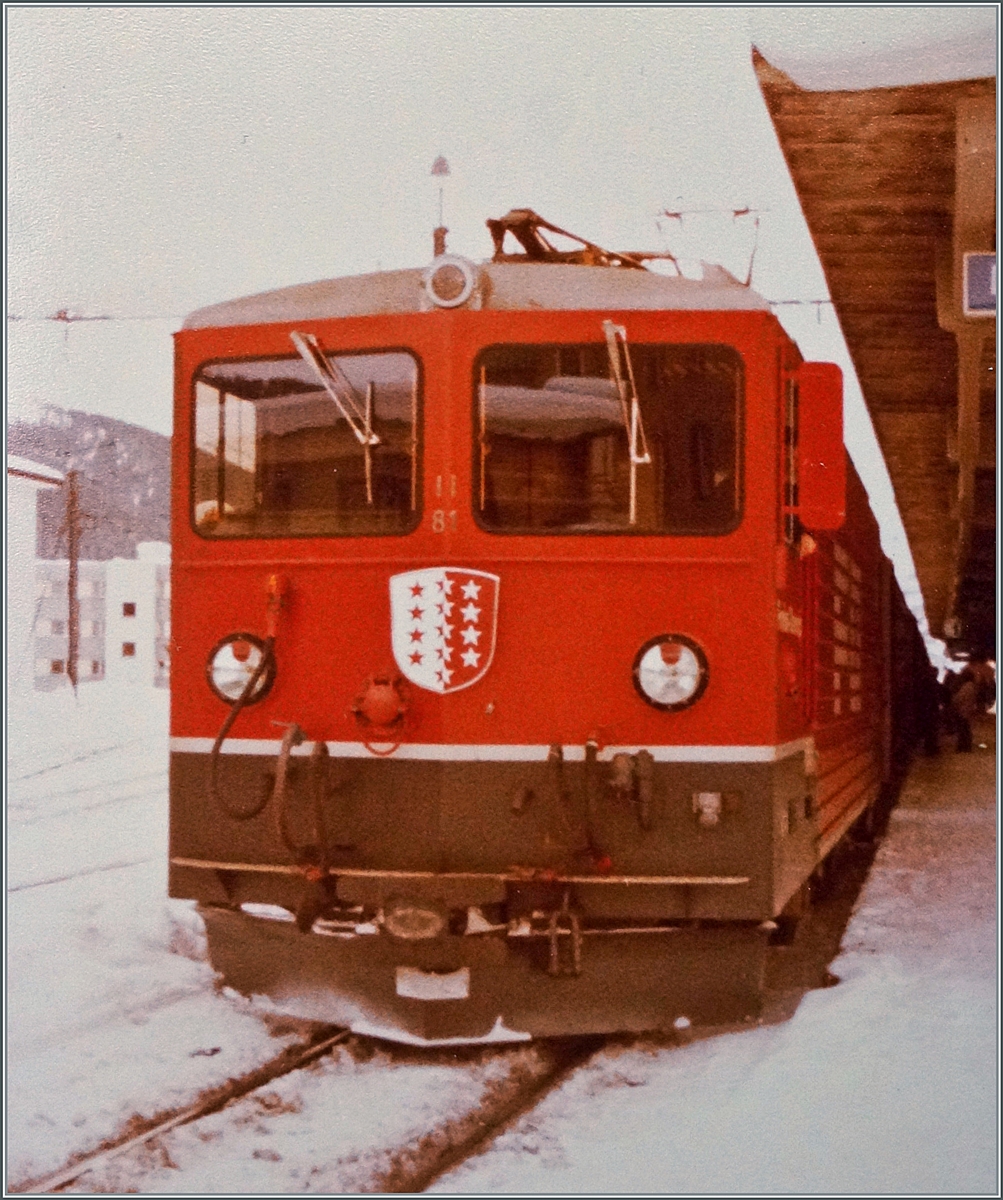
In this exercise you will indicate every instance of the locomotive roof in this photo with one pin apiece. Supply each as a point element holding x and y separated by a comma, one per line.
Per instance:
<point>503,286</point>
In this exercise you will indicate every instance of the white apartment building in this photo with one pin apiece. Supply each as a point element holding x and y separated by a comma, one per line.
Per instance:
<point>52,623</point>
<point>124,620</point>
<point>137,618</point>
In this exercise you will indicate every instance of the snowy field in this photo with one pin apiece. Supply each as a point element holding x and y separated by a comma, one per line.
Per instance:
<point>885,1083</point>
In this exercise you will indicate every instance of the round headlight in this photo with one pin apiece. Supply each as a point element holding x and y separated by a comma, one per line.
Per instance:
<point>231,664</point>
<point>449,281</point>
<point>670,671</point>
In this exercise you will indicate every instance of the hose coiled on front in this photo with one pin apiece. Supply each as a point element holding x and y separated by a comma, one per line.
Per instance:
<point>243,814</point>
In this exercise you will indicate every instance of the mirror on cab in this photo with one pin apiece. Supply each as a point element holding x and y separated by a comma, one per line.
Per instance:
<point>821,455</point>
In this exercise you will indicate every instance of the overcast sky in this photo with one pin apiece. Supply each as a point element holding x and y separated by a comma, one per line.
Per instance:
<point>163,158</point>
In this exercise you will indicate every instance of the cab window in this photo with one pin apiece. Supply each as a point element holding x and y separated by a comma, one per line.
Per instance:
<point>563,446</point>
<point>279,454</point>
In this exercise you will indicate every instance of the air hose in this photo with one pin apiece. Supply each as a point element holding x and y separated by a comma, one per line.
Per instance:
<point>313,858</point>
<point>275,589</point>
<point>244,814</point>
<point>312,852</point>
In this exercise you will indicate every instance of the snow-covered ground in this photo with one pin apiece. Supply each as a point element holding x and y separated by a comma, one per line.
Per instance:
<point>108,997</point>
<point>113,1012</point>
<point>884,1083</point>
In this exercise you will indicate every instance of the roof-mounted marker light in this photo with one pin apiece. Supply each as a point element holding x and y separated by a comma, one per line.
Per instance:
<point>449,281</point>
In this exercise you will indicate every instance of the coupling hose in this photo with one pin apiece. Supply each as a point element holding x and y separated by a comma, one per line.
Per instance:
<point>240,814</point>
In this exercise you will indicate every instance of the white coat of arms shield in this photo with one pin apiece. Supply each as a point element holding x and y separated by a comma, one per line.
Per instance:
<point>442,625</point>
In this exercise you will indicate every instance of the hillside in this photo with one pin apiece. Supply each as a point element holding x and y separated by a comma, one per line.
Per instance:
<point>125,473</point>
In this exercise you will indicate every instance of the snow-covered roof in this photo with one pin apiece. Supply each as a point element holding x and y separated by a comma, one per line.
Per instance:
<point>510,286</point>
<point>37,473</point>
<point>853,48</point>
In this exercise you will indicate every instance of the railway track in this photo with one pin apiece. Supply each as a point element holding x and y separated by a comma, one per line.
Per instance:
<point>417,1166</point>
<point>150,789</point>
<point>409,1168</point>
<point>76,759</point>
<point>214,1099</point>
<point>115,866</point>
<point>416,1160</point>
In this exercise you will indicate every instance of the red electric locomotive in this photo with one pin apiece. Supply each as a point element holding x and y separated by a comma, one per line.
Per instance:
<point>529,642</point>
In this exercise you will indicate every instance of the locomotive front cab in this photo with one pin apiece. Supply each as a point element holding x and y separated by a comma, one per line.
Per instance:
<point>477,724</point>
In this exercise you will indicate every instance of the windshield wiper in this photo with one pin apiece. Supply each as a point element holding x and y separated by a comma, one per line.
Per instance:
<point>623,377</point>
<point>338,387</point>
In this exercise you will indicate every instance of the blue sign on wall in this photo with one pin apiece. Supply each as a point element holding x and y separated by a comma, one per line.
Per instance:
<point>980,285</point>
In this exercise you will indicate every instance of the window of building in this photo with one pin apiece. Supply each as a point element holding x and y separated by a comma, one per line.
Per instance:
<point>300,446</point>
<point>96,667</point>
<point>129,609</point>
<point>57,667</point>
<point>554,436</point>
<point>128,649</point>
<point>57,628</point>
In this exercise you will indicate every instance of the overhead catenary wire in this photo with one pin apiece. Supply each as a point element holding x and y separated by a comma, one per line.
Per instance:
<point>805,303</point>
<point>181,316</point>
<point>818,305</point>
<point>66,316</point>
<point>743,210</point>
<point>25,319</point>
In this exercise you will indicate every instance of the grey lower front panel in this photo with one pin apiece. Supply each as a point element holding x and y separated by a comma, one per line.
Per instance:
<point>634,981</point>
<point>524,818</point>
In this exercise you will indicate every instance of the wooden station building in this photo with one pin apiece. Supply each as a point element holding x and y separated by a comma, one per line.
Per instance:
<point>898,186</point>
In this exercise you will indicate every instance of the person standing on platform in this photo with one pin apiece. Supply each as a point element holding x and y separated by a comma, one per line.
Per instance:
<point>928,708</point>
<point>963,707</point>
<point>985,681</point>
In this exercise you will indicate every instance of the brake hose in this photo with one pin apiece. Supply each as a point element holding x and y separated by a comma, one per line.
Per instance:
<point>275,588</point>
<point>267,660</point>
<point>315,894</point>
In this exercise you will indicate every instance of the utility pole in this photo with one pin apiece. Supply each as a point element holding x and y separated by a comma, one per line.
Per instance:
<point>73,552</point>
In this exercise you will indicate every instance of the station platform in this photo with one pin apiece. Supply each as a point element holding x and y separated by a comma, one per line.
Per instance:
<point>935,871</point>
<point>915,1076</point>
